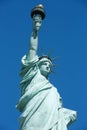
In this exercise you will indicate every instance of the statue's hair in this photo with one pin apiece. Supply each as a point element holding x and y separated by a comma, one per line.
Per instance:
<point>45,56</point>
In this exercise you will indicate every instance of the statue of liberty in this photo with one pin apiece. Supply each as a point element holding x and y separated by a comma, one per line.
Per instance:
<point>40,102</point>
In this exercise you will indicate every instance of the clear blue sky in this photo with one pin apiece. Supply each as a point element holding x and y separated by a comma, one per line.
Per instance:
<point>64,31</point>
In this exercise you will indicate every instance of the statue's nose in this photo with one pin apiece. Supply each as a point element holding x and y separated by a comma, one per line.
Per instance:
<point>48,68</point>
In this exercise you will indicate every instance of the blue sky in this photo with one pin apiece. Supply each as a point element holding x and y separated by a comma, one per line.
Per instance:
<point>64,32</point>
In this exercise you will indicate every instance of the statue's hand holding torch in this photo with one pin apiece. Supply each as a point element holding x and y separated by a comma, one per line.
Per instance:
<point>38,14</point>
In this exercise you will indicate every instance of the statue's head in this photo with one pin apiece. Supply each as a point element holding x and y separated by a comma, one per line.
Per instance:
<point>45,65</point>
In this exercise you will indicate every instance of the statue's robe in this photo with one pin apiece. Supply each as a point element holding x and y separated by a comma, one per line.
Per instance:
<point>40,102</point>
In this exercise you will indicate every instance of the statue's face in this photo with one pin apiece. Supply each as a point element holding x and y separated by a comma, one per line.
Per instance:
<point>37,22</point>
<point>45,68</point>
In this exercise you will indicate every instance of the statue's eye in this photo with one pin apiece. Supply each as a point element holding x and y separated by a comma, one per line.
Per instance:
<point>45,63</point>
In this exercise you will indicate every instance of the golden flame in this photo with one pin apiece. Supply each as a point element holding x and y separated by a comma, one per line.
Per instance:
<point>40,6</point>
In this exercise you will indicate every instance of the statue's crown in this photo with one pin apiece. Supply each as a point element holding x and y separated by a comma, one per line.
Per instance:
<point>45,56</point>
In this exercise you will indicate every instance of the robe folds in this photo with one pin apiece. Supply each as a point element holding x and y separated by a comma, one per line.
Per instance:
<point>40,102</point>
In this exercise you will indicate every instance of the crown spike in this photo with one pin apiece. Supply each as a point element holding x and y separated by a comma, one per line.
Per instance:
<point>49,53</point>
<point>52,72</point>
<point>42,52</point>
<point>53,59</point>
<point>55,65</point>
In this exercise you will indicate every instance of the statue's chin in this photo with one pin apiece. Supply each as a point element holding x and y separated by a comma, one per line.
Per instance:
<point>44,73</point>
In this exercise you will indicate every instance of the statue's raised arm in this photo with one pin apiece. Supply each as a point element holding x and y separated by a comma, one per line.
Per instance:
<point>38,15</point>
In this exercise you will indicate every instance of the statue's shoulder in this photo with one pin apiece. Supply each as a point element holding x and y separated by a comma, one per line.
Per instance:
<point>26,62</point>
<point>28,66</point>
